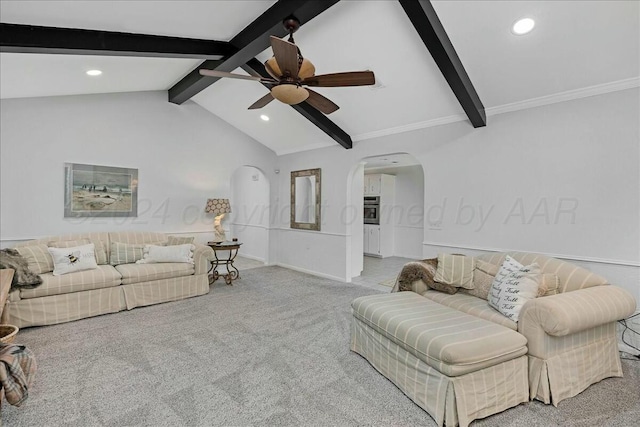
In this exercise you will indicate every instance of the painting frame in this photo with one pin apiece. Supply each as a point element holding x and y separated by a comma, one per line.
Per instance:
<point>100,191</point>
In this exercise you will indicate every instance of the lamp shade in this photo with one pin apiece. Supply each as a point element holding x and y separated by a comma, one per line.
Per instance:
<point>218,206</point>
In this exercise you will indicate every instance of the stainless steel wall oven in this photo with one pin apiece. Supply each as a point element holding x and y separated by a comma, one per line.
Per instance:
<point>372,210</point>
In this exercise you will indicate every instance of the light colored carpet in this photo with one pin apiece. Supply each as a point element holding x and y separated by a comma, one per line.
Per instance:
<point>273,350</point>
<point>389,282</point>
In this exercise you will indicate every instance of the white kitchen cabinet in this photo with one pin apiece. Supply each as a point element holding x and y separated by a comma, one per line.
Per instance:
<point>379,238</point>
<point>372,184</point>
<point>372,239</point>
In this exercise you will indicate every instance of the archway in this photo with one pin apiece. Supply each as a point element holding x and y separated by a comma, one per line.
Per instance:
<point>396,182</point>
<point>249,216</point>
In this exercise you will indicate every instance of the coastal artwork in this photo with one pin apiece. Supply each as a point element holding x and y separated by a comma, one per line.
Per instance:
<point>100,191</point>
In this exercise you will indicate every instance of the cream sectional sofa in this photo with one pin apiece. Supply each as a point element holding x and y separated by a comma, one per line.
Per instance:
<point>107,289</point>
<point>459,359</point>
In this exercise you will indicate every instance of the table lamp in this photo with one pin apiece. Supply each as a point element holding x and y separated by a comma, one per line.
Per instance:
<point>218,207</point>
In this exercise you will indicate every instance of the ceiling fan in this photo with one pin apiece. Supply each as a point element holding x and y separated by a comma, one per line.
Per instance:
<point>290,72</point>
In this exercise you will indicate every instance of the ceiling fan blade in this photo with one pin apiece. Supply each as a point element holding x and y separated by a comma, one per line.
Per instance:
<point>214,73</point>
<point>286,56</point>
<point>352,78</point>
<point>321,103</point>
<point>261,102</point>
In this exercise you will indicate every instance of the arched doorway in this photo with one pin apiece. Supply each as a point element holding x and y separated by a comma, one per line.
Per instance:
<point>250,212</point>
<point>394,185</point>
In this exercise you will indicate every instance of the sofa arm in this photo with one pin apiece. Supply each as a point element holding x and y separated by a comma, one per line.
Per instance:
<point>202,256</point>
<point>571,312</point>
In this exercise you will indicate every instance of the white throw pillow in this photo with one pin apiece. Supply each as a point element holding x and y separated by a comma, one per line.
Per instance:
<point>175,253</point>
<point>77,258</point>
<point>513,286</point>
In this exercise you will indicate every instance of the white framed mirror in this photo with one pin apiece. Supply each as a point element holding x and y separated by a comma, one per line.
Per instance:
<point>305,199</point>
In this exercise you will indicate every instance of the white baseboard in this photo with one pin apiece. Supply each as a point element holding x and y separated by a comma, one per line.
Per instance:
<point>313,273</point>
<point>255,258</point>
<point>410,256</point>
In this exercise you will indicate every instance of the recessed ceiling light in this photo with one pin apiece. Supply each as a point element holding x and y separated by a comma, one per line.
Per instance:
<point>94,72</point>
<point>523,26</point>
<point>264,117</point>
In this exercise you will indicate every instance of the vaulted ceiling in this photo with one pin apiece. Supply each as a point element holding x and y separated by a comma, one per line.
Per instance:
<point>578,48</point>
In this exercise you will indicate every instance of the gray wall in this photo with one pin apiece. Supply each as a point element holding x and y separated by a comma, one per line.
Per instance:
<point>183,154</point>
<point>561,179</point>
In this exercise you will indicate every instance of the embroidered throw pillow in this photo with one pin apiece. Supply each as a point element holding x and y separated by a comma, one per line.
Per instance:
<point>77,258</point>
<point>38,258</point>
<point>179,240</point>
<point>513,286</point>
<point>456,270</point>
<point>175,253</point>
<point>101,253</point>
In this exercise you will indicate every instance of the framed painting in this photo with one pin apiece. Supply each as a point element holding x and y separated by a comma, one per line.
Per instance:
<point>100,191</point>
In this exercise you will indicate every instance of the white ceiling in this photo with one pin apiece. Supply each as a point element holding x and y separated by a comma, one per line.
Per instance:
<point>575,45</point>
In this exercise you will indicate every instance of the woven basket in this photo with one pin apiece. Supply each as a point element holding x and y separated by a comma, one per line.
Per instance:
<point>8,333</point>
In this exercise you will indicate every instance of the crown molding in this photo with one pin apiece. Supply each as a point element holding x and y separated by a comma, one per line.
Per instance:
<point>507,108</point>
<point>304,148</point>
<point>411,126</point>
<point>566,96</point>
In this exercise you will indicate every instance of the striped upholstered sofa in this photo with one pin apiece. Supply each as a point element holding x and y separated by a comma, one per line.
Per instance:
<point>109,288</point>
<point>459,359</point>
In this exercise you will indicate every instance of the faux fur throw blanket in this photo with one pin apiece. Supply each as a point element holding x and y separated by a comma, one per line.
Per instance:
<point>424,270</point>
<point>23,278</point>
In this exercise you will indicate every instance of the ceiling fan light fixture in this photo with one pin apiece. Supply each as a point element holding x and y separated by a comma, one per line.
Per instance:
<point>289,94</point>
<point>306,69</point>
<point>523,26</point>
<point>274,67</point>
<point>264,117</point>
<point>94,73</point>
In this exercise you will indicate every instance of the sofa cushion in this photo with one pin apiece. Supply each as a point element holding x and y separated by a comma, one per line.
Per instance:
<point>456,270</point>
<point>453,342</point>
<point>179,240</point>
<point>38,257</point>
<point>549,285</point>
<point>483,276</point>
<point>154,254</point>
<point>570,276</point>
<point>125,253</point>
<point>471,305</point>
<point>144,237</point>
<point>136,273</point>
<point>105,276</point>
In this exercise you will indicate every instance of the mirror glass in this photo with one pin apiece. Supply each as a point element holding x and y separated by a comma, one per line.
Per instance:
<point>305,199</point>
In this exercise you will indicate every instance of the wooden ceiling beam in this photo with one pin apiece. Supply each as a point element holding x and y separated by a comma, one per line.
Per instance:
<point>256,68</point>
<point>426,22</point>
<point>249,43</point>
<point>17,38</point>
